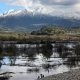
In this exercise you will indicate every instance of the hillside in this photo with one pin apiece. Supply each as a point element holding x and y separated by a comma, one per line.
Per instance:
<point>53,33</point>
<point>23,20</point>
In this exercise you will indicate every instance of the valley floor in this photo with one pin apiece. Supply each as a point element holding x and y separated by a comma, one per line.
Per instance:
<point>20,36</point>
<point>71,75</point>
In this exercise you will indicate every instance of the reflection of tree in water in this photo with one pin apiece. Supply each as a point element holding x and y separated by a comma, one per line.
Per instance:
<point>72,62</point>
<point>47,50</point>
<point>77,50</point>
<point>11,53</point>
<point>31,53</point>
<point>73,57</point>
<point>38,48</point>
<point>62,50</point>
<point>0,64</point>
<point>1,54</point>
<point>11,50</point>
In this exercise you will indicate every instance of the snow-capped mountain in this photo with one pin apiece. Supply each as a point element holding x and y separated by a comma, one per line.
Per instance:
<point>23,12</point>
<point>14,13</point>
<point>19,13</point>
<point>31,20</point>
<point>11,12</point>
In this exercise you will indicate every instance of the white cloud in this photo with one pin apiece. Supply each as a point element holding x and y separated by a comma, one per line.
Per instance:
<point>54,7</point>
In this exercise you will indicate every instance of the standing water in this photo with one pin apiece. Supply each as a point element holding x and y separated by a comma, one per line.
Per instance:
<point>29,61</point>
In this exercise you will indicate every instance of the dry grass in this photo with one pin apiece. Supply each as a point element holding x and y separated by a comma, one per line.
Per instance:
<point>26,36</point>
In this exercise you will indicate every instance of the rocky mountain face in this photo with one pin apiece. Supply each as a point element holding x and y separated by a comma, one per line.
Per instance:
<point>24,20</point>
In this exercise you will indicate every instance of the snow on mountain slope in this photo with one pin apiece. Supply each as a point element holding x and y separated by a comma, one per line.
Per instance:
<point>14,13</point>
<point>36,12</point>
<point>31,20</point>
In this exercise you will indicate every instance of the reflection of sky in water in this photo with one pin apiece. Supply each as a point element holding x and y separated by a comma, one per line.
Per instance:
<point>25,45</point>
<point>21,71</point>
<point>6,60</point>
<point>23,64</point>
<point>70,45</point>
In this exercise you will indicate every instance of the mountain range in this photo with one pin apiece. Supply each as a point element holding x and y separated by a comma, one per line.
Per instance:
<point>24,20</point>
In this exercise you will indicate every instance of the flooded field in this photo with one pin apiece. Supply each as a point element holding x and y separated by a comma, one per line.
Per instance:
<point>29,61</point>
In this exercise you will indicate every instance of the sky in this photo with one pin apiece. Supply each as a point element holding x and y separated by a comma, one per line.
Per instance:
<point>54,7</point>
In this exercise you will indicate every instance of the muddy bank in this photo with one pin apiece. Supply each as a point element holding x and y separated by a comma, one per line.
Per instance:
<point>71,75</point>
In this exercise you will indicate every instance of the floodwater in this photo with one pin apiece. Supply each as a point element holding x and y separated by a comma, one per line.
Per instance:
<point>28,61</point>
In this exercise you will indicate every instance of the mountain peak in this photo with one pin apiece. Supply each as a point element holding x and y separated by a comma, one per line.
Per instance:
<point>39,11</point>
<point>32,20</point>
<point>17,13</point>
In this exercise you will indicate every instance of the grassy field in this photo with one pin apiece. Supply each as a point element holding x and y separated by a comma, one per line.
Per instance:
<point>43,34</point>
<point>13,36</point>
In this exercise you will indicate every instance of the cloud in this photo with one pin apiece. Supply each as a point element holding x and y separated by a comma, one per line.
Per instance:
<point>44,2</point>
<point>35,3</point>
<point>59,2</point>
<point>18,2</point>
<point>53,7</point>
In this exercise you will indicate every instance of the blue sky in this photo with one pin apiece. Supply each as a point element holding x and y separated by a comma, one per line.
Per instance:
<point>6,7</point>
<point>54,7</point>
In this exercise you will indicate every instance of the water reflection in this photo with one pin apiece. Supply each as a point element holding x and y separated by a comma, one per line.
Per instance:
<point>0,64</point>
<point>11,52</point>
<point>33,70</point>
<point>77,50</point>
<point>47,50</point>
<point>1,54</point>
<point>47,67</point>
<point>72,55</point>
<point>31,51</point>
<point>62,50</point>
<point>36,58</point>
<point>4,78</point>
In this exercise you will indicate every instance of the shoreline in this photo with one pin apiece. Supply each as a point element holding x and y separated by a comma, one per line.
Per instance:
<point>70,75</point>
<point>38,42</point>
